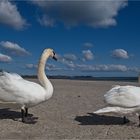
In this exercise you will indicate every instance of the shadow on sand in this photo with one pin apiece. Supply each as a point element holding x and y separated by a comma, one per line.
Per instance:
<point>6,113</point>
<point>94,119</point>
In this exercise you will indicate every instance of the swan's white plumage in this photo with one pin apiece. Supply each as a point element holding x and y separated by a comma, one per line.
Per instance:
<point>124,96</point>
<point>117,110</point>
<point>123,99</point>
<point>15,89</point>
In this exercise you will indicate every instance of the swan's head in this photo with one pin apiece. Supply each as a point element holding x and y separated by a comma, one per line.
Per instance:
<point>51,53</point>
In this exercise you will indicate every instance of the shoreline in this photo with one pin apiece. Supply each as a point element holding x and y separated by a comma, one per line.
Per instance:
<point>89,78</point>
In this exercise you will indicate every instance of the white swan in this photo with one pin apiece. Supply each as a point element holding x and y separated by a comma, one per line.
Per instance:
<point>125,100</point>
<point>15,89</point>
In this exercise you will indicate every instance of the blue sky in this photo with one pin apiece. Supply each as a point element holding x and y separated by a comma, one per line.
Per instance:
<point>96,38</point>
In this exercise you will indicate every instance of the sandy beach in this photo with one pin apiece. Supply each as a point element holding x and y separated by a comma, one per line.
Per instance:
<point>69,115</point>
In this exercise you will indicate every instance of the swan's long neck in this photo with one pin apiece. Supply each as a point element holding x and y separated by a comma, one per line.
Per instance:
<point>44,81</point>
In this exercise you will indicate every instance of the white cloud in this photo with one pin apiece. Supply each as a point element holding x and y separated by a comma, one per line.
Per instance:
<point>88,45</point>
<point>70,57</point>
<point>112,67</point>
<point>49,67</point>
<point>30,66</point>
<point>102,68</point>
<point>9,15</point>
<point>46,21</point>
<point>13,48</point>
<point>5,58</point>
<point>92,13</point>
<point>70,65</point>
<point>120,53</point>
<point>52,67</point>
<point>67,60</point>
<point>87,54</point>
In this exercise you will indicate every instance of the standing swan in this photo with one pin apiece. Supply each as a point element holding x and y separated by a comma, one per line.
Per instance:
<point>125,100</point>
<point>15,89</point>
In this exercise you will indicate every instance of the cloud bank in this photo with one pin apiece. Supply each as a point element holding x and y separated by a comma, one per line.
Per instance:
<point>73,12</point>
<point>13,48</point>
<point>5,58</point>
<point>9,15</point>
<point>103,68</point>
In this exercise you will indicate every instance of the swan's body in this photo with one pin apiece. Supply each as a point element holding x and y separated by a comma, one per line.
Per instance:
<point>123,99</point>
<point>15,89</point>
<point>124,96</point>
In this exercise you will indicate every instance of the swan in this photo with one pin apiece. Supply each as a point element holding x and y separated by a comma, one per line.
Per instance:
<point>15,89</point>
<point>123,100</point>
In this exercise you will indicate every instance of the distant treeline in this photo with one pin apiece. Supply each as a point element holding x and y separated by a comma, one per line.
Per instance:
<point>130,79</point>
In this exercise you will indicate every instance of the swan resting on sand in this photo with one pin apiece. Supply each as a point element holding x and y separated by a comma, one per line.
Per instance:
<point>124,100</point>
<point>15,89</point>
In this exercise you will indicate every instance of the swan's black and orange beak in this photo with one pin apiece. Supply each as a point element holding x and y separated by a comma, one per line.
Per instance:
<point>54,56</point>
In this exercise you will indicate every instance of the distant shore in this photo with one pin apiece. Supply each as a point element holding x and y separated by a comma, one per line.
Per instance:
<point>127,79</point>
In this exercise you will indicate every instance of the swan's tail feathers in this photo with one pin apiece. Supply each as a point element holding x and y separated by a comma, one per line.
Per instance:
<point>108,110</point>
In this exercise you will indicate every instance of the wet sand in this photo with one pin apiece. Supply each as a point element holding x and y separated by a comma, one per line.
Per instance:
<point>69,115</point>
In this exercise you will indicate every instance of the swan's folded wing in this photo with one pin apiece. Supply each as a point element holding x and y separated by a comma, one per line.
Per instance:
<point>9,76</point>
<point>125,96</point>
<point>18,90</point>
